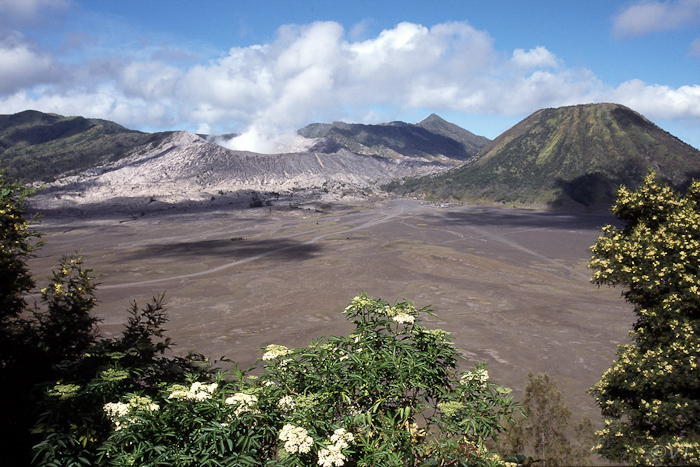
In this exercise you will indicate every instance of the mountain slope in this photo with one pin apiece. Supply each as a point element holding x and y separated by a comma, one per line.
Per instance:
<point>38,146</point>
<point>185,168</point>
<point>431,138</point>
<point>576,154</point>
<point>472,143</point>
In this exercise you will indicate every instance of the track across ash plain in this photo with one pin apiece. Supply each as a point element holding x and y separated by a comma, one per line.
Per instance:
<point>511,285</point>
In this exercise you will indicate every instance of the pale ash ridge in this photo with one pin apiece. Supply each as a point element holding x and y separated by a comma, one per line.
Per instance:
<point>185,167</point>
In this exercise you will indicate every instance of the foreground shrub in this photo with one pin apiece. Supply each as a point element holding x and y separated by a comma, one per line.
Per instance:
<point>82,395</point>
<point>387,394</point>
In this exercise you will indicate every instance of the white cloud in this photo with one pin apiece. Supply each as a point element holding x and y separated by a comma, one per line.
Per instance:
<point>22,66</point>
<point>656,101</point>
<point>317,73</point>
<point>149,80</point>
<point>645,17</point>
<point>537,57</point>
<point>694,49</point>
<point>103,102</point>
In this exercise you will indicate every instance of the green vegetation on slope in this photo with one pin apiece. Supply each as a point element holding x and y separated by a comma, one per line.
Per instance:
<point>35,146</point>
<point>578,154</point>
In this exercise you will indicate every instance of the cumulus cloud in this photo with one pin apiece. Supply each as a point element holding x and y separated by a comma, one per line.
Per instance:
<point>318,73</point>
<point>647,17</point>
<point>152,80</point>
<point>22,65</point>
<point>659,101</point>
<point>104,101</point>
<point>536,57</point>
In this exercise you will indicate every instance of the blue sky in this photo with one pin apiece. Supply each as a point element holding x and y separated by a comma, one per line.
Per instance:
<point>266,67</point>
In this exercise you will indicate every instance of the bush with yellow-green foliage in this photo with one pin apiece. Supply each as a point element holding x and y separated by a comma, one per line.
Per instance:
<point>650,397</point>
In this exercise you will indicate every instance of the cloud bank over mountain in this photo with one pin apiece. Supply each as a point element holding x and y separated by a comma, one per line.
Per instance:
<point>316,72</point>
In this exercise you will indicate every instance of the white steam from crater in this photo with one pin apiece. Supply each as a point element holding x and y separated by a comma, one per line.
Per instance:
<point>254,140</point>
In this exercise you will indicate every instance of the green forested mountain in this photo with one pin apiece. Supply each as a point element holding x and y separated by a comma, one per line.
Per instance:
<point>38,146</point>
<point>576,155</point>
<point>431,137</point>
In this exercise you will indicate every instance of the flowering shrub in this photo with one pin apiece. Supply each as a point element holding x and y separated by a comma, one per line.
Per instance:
<point>389,393</point>
<point>124,412</point>
<point>332,455</point>
<point>110,388</point>
<point>650,395</point>
<point>197,391</point>
<point>297,439</point>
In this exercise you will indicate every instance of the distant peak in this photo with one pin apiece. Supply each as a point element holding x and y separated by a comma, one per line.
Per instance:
<point>432,118</point>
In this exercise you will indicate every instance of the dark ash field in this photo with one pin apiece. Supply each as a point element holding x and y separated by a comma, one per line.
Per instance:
<point>510,285</point>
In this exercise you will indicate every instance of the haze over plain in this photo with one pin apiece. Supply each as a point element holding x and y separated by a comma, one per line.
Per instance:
<point>264,69</point>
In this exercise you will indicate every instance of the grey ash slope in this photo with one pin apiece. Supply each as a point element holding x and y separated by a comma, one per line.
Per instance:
<point>90,162</point>
<point>185,168</point>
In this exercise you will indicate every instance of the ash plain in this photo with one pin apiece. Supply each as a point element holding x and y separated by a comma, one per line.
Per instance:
<point>511,285</point>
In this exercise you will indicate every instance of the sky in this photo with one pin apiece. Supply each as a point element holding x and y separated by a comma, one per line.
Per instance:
<point>265,68</point>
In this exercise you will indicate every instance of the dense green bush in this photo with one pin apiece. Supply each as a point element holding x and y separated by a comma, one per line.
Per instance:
<point>20,359</point>
<point>387,394</point>
<point>650,397</point>
<point>72,421</point>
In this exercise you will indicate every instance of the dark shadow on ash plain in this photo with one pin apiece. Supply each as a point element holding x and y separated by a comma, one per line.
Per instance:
<point>502,217</point>
<point>286,249</point>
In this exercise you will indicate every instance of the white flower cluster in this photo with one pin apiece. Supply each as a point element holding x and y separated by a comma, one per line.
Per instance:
<point>273,351</point>
<point>118,412</point>
<point>342,438</point>
<point>361,301</point>
<point>116,409</point>
<point>197,391</point>
<point>286,404</point>
<point>332,456</point>
<point>245,403</point>
<point>297,439</point>
<point>403,318</point>
<point>480,375</point>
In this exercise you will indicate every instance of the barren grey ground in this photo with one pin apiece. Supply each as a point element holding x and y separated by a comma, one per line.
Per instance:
<point>511,285</point>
